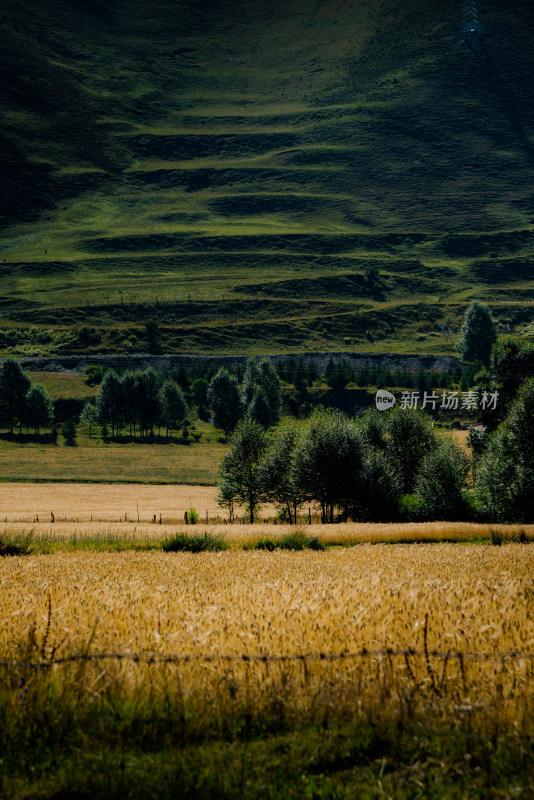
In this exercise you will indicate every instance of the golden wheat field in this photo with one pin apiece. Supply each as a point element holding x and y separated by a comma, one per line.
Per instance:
<point>104,502</point>
<point>155,512</point>
<point>245,620</point>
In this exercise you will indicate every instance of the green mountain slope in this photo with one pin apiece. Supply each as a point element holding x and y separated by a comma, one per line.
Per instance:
<point>262,177</point>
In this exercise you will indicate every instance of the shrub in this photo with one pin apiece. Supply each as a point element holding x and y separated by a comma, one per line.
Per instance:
<point>299,541</point>
<point>16,548</point>
<point>194,544</point>
<point>265,544</point>
<point>495,538</point>
<point>292,541</point>
<point>192,516</point>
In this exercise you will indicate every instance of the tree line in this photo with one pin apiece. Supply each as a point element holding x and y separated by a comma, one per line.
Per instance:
<point>137,400</point>
<point>141,401</point>
<point>22,402</point>
<point>383,467</point>
<point>395,465</point>
<point>376,467</point>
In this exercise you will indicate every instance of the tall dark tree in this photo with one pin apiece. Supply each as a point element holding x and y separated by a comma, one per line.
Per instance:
<point>505,475</point>
<point>440,482</point>
<point>69,432</point>
<point>148,399</point>
<point>276,472</point>
<point>261,378</point>
<point>250,382</point>
<point>199,390</point>
<point>240,468</point>
<point>89,416</point>
<point>224,400</point>
<point>14,386</point>
<point>260,409</point>
<point>379,487</point>
<point>110,402</point>
<point>129,399</point>
<point>328,462</point>
<point>38,408</point>
<point>409,437</point>
<point>478,333</point>
<point>173,406</point>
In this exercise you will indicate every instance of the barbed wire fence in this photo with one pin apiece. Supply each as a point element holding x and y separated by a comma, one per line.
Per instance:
<point>173,658</point>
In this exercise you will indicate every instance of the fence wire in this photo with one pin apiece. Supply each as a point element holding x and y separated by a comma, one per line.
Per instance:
<point>184,658</point>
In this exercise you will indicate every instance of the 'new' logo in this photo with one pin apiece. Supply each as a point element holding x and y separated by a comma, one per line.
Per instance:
<point>384,400</point>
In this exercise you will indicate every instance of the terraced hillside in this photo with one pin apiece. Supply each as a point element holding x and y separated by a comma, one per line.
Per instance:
<point>262,177</point>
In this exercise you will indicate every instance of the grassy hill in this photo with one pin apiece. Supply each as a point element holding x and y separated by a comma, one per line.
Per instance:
<point>267,177</point>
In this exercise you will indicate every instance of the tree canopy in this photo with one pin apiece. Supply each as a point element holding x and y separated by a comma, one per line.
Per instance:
<point>479,333</point>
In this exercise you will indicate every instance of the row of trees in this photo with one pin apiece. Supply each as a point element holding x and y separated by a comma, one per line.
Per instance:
<point>141,400</point>
<point>365,468</point>
<point>21,400</point>
<point>137,400</point>
<point>384,467</point>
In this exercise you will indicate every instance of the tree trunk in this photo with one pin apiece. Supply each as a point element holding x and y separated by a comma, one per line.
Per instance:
<point>251,506</point>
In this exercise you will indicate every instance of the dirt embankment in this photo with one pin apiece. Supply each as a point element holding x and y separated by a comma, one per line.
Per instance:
<point>162,363</point>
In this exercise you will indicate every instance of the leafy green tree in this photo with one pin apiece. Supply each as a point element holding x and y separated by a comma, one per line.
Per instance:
<point>148,399</point>
<point>38,408</point>
<point>479,333</point>
<point>379,487</point>
<point>261,376</point>
<point>240,468</point>
<point>409,437</point>
<point>68,432</point>
<point>110,402</point>
<point>270,383</point>
<point>199,390</point>
<point>328,462</point>
<point>14,386</point>
<point>259,408</point>
<point>276,472</point>
<point>130,415</point>
<point>95,374</point>
<point>250,382</point>
<point>373,429</point>
<point>173,406</point>
<point>227,497</point>
<point>440,482</point>
<point>224,401</point>
<point>89,416</point>
<point>512,362</point>
<point>505,475</point>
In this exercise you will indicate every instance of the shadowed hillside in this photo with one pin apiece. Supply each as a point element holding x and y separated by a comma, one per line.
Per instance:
<point>262,177</point>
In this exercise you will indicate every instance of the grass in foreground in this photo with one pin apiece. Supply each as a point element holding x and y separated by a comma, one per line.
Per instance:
<point>363,674</point>
<point>116,751</point>
<point>43,538</point>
